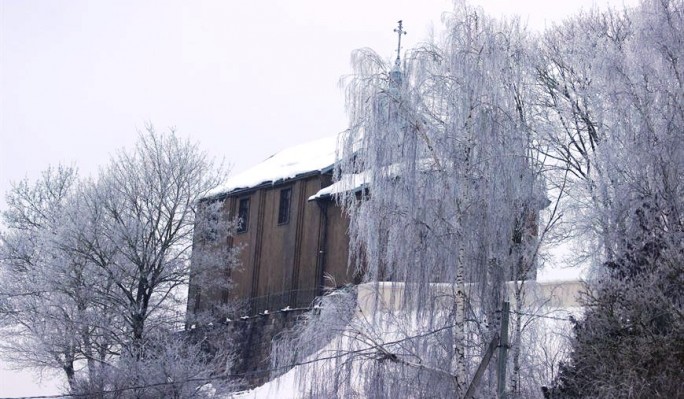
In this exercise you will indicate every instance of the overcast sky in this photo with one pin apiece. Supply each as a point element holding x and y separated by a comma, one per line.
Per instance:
<point>79,79</point>
<point>243,78</point>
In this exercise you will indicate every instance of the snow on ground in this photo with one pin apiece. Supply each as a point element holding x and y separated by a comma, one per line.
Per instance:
<point>283,387</point>
<point>314,156</point>
<point>562,294</point>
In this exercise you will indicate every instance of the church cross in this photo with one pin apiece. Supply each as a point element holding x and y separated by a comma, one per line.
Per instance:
<point>400,31</point>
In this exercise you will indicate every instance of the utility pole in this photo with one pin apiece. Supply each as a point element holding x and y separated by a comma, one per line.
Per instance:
<point>502,339</point>
<point>503,352</point>
<point>482,367</point>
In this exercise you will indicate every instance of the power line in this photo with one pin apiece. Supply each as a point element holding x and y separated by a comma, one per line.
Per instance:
<point>569,318</point>
<point>237,375</point>
<point>199,379</point>
<point>288,366</point>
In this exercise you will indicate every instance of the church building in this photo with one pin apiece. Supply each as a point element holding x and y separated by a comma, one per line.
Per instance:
<point>292,235</point>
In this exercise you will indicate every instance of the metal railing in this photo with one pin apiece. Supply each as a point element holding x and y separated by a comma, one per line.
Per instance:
<point>293,299</point>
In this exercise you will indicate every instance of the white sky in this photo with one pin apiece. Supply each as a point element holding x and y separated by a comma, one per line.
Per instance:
<point>245,79</point>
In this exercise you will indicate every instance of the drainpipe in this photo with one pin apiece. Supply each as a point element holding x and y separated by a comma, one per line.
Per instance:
<point>320,261</point>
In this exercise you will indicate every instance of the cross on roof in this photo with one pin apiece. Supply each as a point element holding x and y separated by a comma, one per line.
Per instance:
<point>400,31</point>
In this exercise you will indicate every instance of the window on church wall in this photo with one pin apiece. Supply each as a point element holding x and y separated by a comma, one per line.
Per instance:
<point>243,215</point>
<point>284,206</point>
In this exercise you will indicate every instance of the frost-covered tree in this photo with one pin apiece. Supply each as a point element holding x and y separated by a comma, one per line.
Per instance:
<point>450,190</point>
<point>46,291</point>
<point>175,366</point>
<point>94,272</point>
<point>147,197</point>
<point>629,343</point>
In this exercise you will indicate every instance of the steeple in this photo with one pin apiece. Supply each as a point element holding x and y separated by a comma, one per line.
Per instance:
<point>395,73</point>
<point>400,31</point>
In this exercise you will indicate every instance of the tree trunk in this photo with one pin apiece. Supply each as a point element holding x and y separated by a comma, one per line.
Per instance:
<point>459,344</point>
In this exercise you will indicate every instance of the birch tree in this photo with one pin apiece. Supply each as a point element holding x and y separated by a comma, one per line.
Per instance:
<point>442,143</point>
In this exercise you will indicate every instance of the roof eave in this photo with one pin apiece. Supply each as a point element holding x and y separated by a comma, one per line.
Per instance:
<point>266,184</point>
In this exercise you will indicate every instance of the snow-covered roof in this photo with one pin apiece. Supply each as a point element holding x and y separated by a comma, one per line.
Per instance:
<point>314,156</point>
<point>347,183</point>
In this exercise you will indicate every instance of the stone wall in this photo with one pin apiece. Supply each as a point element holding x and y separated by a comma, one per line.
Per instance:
<point>252,339</point>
